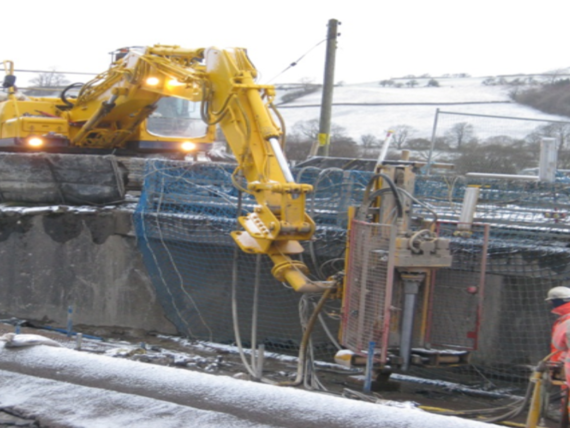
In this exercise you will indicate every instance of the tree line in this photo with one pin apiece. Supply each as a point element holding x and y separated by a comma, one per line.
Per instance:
<point>459,145</point>
<point>553,98</point>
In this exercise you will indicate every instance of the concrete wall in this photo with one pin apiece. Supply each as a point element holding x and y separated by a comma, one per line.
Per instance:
<point>88,258</point>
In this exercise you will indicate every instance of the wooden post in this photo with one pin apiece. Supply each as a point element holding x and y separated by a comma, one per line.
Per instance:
<point>322,145</point>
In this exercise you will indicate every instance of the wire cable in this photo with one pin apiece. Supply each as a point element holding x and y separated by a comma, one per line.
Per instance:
<point>254,360</point>
<point>294,63</point>
<point>235,317</point>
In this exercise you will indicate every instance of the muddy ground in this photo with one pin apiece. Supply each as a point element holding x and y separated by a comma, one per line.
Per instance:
<point>225,360</point>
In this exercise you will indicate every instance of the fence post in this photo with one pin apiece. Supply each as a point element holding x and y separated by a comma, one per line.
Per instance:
<point>369,365</point>
<point>433,133</point>
<point>548,160</point>
<point>69,321</point>
<point>468,207</point>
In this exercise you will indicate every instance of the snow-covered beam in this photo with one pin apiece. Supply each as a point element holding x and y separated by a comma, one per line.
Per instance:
<point>125,382</point>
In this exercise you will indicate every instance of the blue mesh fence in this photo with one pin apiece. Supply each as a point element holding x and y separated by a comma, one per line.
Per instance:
<point>187,211</point>
<point>183,223</point>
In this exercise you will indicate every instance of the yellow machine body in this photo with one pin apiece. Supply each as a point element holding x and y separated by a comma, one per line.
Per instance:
<point>116,110</point>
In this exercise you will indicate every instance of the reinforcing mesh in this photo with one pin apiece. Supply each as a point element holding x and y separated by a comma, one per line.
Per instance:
<point>368,288</point>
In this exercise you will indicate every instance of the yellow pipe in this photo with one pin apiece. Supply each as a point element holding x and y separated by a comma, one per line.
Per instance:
<point>535,402</point>
<point>294,273</point>
<point>425,306</point>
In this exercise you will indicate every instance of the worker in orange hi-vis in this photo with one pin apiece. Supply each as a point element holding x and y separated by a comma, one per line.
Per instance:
<point>559,298</point>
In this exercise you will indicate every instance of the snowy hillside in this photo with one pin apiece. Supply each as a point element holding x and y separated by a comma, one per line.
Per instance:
<point>370,108</point>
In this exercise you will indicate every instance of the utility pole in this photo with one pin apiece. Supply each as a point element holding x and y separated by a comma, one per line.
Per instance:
<point>322,145</point>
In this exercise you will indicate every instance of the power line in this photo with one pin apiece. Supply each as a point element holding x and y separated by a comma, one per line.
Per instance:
<point>294,63</point>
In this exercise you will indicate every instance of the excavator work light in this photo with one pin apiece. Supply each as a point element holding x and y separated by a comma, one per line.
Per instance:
<point>188,146</point>
<point>173,83</point>
<point>152,81</point>
<point>35,142</point>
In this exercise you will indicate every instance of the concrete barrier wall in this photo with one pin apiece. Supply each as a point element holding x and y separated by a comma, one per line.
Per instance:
<point>51,258</point>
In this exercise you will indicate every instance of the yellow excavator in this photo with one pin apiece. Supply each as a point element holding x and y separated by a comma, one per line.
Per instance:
<point>130,108</point>
<point>170,99</point>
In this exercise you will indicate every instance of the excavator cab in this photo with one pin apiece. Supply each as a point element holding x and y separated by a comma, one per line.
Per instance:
<point>9,81</point>
<point>120,53</point>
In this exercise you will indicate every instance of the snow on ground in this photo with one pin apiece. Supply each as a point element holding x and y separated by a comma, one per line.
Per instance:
<point>372,119</point>
<point>56,403</point>
<point>13,340</point>
<point>75,389</point>
<point>449,91</point>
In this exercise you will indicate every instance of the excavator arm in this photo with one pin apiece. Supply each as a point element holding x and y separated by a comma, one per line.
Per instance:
<point>115,103</point>
<point>242,108</point>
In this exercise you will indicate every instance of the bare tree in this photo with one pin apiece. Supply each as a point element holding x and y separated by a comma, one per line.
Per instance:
<point>401,135</point>
<point>46,80</point>
<point>370,147</point>
<point>559,131</point>
<point>49,79</point>
<point>504,140</point>
<point>344,147</point>
<point>419,144</point>
<point>310,130</point>
<point>305,132</point>
<point>460,133</point>
<point>297,149</point>
<point>495,158</point>
<point>554,75</point>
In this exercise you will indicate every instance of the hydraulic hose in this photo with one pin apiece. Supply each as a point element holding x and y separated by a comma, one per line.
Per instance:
<point>254,316</point>
<point>235,317</point>
<point>305,341</point>
<point>513,410</point>
<point>367,201</point>
<point>63,95</point>
<point>391,184</point>
<point>423,204</point>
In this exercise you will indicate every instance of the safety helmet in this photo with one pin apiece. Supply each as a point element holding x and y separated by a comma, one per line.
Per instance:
<point>558,293</point>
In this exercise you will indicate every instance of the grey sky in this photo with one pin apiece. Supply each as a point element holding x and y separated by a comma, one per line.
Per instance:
<point>379,39</point>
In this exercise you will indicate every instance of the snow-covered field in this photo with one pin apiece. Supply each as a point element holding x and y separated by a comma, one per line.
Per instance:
<point>366,116</point>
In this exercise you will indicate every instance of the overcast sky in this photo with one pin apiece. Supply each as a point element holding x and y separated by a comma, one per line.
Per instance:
<point>379,38</point>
